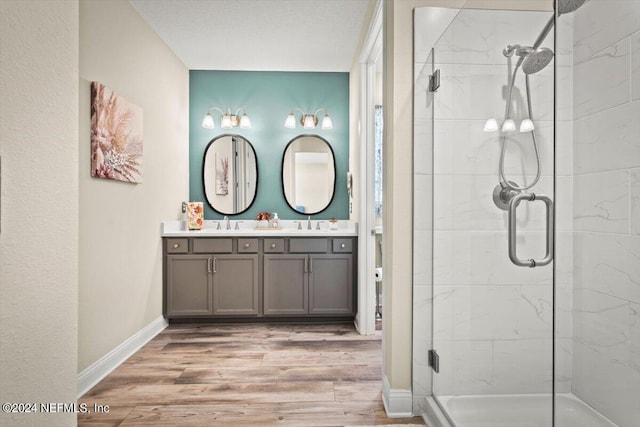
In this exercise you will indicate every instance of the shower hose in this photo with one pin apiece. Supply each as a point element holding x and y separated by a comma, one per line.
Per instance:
<point>503,150</point>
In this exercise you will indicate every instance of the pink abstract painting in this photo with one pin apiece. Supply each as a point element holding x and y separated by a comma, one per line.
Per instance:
<point>116,136</point>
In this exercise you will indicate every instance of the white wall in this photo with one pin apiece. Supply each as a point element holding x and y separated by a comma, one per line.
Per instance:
<point>120,288</point>
<point>39,240</point>
<point>606,93</point>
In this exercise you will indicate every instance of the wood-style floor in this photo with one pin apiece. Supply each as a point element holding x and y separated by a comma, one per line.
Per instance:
<point>247,375</point>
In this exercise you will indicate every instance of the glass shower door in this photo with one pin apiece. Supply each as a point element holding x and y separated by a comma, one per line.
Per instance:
<point>492,319</point>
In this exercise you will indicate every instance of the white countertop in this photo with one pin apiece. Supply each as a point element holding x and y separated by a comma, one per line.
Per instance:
<point>287,228</point>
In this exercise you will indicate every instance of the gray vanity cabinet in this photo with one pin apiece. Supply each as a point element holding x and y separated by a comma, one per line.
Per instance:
<point>331,284</point>
<point>188,285</point>
<point>210,278</point>
<point>235,285</point>
<point>308,284</point>
<point>286,284</point>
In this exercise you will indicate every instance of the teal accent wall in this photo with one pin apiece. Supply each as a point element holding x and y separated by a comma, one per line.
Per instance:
<point>268,98</point>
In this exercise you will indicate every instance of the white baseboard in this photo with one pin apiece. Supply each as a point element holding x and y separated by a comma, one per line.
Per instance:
<point>356,323</point>
<point>397,403</point>
<point>93,374</point>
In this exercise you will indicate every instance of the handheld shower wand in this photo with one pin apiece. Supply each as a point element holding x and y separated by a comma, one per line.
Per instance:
<point>532,60</point>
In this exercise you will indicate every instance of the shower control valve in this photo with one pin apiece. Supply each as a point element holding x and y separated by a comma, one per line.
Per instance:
<point>503,193</point>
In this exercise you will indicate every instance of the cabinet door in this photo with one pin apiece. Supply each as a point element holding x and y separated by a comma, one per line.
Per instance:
<point>188,285</point>
<point>235,284</point>
<point>285,284</point>
<point>331,284</point>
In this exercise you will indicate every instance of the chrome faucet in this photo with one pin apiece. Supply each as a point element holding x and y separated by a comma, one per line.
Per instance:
<point>299,224</point>
<point>309,222</point>
<point>238,225</point>
<point>318,225</point>
<point>227,222</point>
<point>217,225</point>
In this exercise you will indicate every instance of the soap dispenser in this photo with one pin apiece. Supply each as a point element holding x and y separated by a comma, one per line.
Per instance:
<point>275,222</point>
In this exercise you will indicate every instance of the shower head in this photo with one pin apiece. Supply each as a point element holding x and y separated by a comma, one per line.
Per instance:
<point>568,6</point>
<point>537,60</point>
<point>532,60</point>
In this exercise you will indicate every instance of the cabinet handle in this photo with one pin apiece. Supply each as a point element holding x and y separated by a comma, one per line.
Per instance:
<point>246,245</point>
<point>214,266</point>
<point>176,245</point>
<point>342,245</point>
<point>273,246</point>
<point>310,265</point>
<point>305,264</point>
<point>209,265</point>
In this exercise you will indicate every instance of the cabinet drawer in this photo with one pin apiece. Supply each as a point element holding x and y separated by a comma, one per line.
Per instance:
<point>308,245</point>
<point>204,245</point>
<point>247,246</point>
<point>342,245</point>
<point>178,246</point>
<point>274,246</point>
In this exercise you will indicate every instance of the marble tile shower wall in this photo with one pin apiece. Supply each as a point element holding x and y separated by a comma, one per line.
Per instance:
<point>492,320</point>
<point>606,292</point>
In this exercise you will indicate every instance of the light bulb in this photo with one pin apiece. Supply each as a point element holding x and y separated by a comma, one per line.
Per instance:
<point>527,126</point>
<point>225,123</point>
<point>245,121</point>
<point>491,125</point>
<point>509,126</point>
<point>308,122</point>
<point>326,122</point>
<point>207,122</point>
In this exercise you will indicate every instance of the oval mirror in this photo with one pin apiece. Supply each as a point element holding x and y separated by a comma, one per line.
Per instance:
<point>230,174</point>
<point>308,174</point>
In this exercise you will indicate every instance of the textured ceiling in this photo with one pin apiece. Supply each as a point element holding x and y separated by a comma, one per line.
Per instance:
<point>269,35</point>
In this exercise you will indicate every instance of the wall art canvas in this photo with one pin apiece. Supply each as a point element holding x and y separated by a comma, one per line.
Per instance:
<point>116,136</point>
<point>222,175</point>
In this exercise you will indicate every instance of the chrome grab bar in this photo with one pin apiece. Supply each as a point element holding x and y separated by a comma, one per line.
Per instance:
<point>513,207</point>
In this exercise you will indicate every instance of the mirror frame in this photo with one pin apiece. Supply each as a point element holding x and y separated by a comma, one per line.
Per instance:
<point>204,163</point>
<point>335,173</point>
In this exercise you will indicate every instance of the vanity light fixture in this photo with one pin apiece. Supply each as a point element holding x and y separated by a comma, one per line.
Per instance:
<point>491,125</point>
<point>228,120</point>
<point>308,120</point>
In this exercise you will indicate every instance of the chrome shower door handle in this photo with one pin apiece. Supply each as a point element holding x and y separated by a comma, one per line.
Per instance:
<point>513,207</point>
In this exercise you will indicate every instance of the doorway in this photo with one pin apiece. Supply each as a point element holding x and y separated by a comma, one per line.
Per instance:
<point>370,288</point>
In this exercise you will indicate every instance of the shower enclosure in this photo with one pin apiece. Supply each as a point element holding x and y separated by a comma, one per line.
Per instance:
<point>527,215</point>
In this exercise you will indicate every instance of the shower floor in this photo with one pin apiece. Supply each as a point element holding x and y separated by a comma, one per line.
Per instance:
<point>520,411</point>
